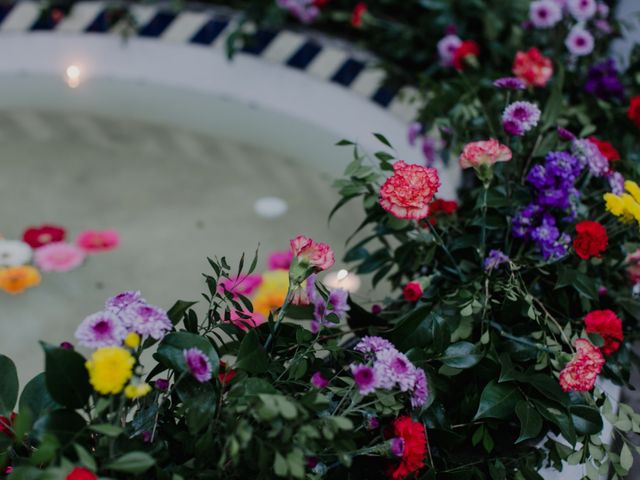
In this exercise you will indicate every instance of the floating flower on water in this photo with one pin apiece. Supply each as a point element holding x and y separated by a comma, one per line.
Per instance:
<point>579,41</point>
<point>447,47</point>
<point>317,255</point>
<point>16,280</point>
<point>520,117</point>
<point>271,293</point>
<point>80,473</point>
<point>580,374</point>
<point>94,241</point>
<point>414,451</point>
<point>465,53</point>
<point>606,324</point>
<point>494,260</point>
<point>605,148</point>
<point>244,285</point>
<point>318,380</point>
<point>591,239</point>
<point>603,80</point>
<point>59,257</point>
<point>510,83</point>
<point>101,329</point>
<point>408,192</point>
<point>633,112</point>
<point>137,390</point>
<point>14,253</point>
<point>582,10</point>
<point>412,291</point>
<point>365,378</point>
<point>358,13</point>
<point>544,13</point>
<point>110,368</point>
<point>123,300</point>
<point>532,67</point>
<point>146,320</point>
<point>198,364</point>
<point>37,237</point>
<point>280,260</point>
<point>485,152</point>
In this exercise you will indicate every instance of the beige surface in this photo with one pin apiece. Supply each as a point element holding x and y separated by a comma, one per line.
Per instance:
<point>175,197</point>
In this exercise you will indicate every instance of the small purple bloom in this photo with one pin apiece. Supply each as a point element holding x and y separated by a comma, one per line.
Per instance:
<point>582,10</point>
<point>102,329</point>
<point>603,80</point>
<point>602,291</point>
<point>198,364</point>
<point>66,345</point>
<point>616,182</point>
<point>544,13</point>
<point>318,380</point>
<point>447,47</point>
<point>565,134</point>
<point>520,116</point>
<point>146,436</point>
<point>338,302</point>
<point>420,390</point>
<point>413,132</point>
<point>303,10</point>
<point>162,384</point>
<point>123,300</point>
<point>372,422</point>
<point>376,309</point>
<point>365,378</point>
<point>430,148</point>
<point>147,320</point>
<point>590,155</point>
<point>510,83</point>
<point>397,446</point>
<point>512,128</point>
<point>603,9</point>
<point>494,260</point>
<point>373,345</point>
<point>603,25</point>
<point>579,41</point>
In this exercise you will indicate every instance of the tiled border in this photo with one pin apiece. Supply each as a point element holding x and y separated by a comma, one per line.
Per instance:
<point>324,59</point>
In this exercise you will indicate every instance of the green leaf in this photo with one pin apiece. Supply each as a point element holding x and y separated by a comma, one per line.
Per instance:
<point>558,417</point>
<point>36,398</point>
<point>586,420</point>
<point>65,425</point>
<point>530,421</point>
<point>107,429</point>
<point>252,356</point>
<point>85,458</point>
<point>133,462</point>
<point>8,385</point>
<point>66,376</point>
<point>178,310</point>
<point>171,351</point>
<point>582,283</point>
<point>382,139</point>
<point>498,400</point>
<point>461,355</point>
<point>626,459</point>
<point>554,105</point>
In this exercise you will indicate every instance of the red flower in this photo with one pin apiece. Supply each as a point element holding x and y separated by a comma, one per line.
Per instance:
<point>225,376</point>
<point>38,236</point>
<point>412,292</point>
<point>634,110</point>
<point>6,425</point>
<point>532,67</point>
<point>320,3</point>
<point>606,324</point>
<point>606,149</point>
<point>79,473</point>
<point>415,447</point>
<point>408,192</point>
<point>439,206</point>
<point>358,12</point>
<point>580,374</point>
<point>468,48</point>
<point>591,240</point>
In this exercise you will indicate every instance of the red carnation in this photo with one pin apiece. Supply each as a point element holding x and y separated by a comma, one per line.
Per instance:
<point>358,12</point>
<point>591,240</point>
<point>634,110</point>
<point>225,376</point>
<point>468,48</point>
<point>415,447</point>
<point>606,149</point>
<point>412,292</point>
<point>6,425</point>
<point>36,237</point>
<point>606,324</point>
<point>79,473</point>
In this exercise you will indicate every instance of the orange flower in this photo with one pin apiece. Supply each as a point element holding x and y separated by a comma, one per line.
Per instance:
<point>16,280</point>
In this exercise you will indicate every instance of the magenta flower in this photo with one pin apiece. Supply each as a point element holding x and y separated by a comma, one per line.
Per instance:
<point>365,378</point>
<point>58,257</point>
<point>393,367</point>
<point>244,285</point>
<point>413,132</point>
<point>544,13</point>
<point>520,117</point>
<point>280,260</point>
<point>582,10</point>
<point>318,380</point>
<point>373,345</point>
<point>397,446</point>
<point>510,83</point>
<point>123,300</point>
<point>147,320</point>
<point>162,384</point>
<point>579,41</point>
<point>102,329</point>
<point>198,364</point>
<point>565,134</point>
<point>95,241</point>
<point>420,391</point>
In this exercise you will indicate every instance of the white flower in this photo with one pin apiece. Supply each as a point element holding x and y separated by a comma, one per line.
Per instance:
<point>14,253</point>
<point>579,41</point>
<point>582,9</point>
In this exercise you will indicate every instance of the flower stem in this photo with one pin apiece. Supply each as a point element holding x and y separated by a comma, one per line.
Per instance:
<point>281,314</point>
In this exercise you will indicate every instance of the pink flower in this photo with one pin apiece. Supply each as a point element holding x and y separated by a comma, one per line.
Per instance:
<point>280,260</point>
<point>247,320</point>
<point>94,241</point>
<point>579,375</point>
<point>244,285</point>
<point>486,152</point>
<point>318,255</point>
<point>59,257</point>
<point>408,192</point>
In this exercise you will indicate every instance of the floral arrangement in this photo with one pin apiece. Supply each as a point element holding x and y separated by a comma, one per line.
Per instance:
<point>44,249</point>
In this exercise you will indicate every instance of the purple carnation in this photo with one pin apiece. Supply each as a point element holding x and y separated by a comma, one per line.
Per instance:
<point>198,364</point>
<point>494,260</point>
<point>512,128</point>
<point>420,391</point>
<point>520,117</point>
<point>579,41</point>
<point>365,378</point>
<point>589,154</point>
<point>544,13</point>
<point>397,446</point>
<point>373,345</point>
<point>603,80</point>
<point>147,320</point>
<point>102,329</point>
<point>582,10</point>
<point>393,367</point>
<point>510,83</point>
<point>123,300</point>
<point>318,380</point>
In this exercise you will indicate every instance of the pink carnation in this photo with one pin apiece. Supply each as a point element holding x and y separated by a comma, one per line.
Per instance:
<point>581,372</point>
<point>486,152</point>
<point>94,241</point>
<point>408,192</point>
<point>59,257</point>
<point>244,285</point>
<point>317,254</point>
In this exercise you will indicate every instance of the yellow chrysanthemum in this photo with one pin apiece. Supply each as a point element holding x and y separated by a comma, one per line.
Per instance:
<point>614,204</point>
<point>631,208</point>
<point>110,368</point>
<point>272,292</point>
<point>132,340</point>
<point>633,188</point>
<point>137,391</point>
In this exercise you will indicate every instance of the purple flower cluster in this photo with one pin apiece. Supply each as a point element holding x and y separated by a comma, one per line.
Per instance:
<point>430,145</point>
<point>520,117</point>
<point>494,260</point>
<point>326,312</point>
<point>603,80</point>
<point>387,369</point>
<point>124,313</point>
<point>304,10</point>
<point>554,185</point>
<point>589,154</point>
